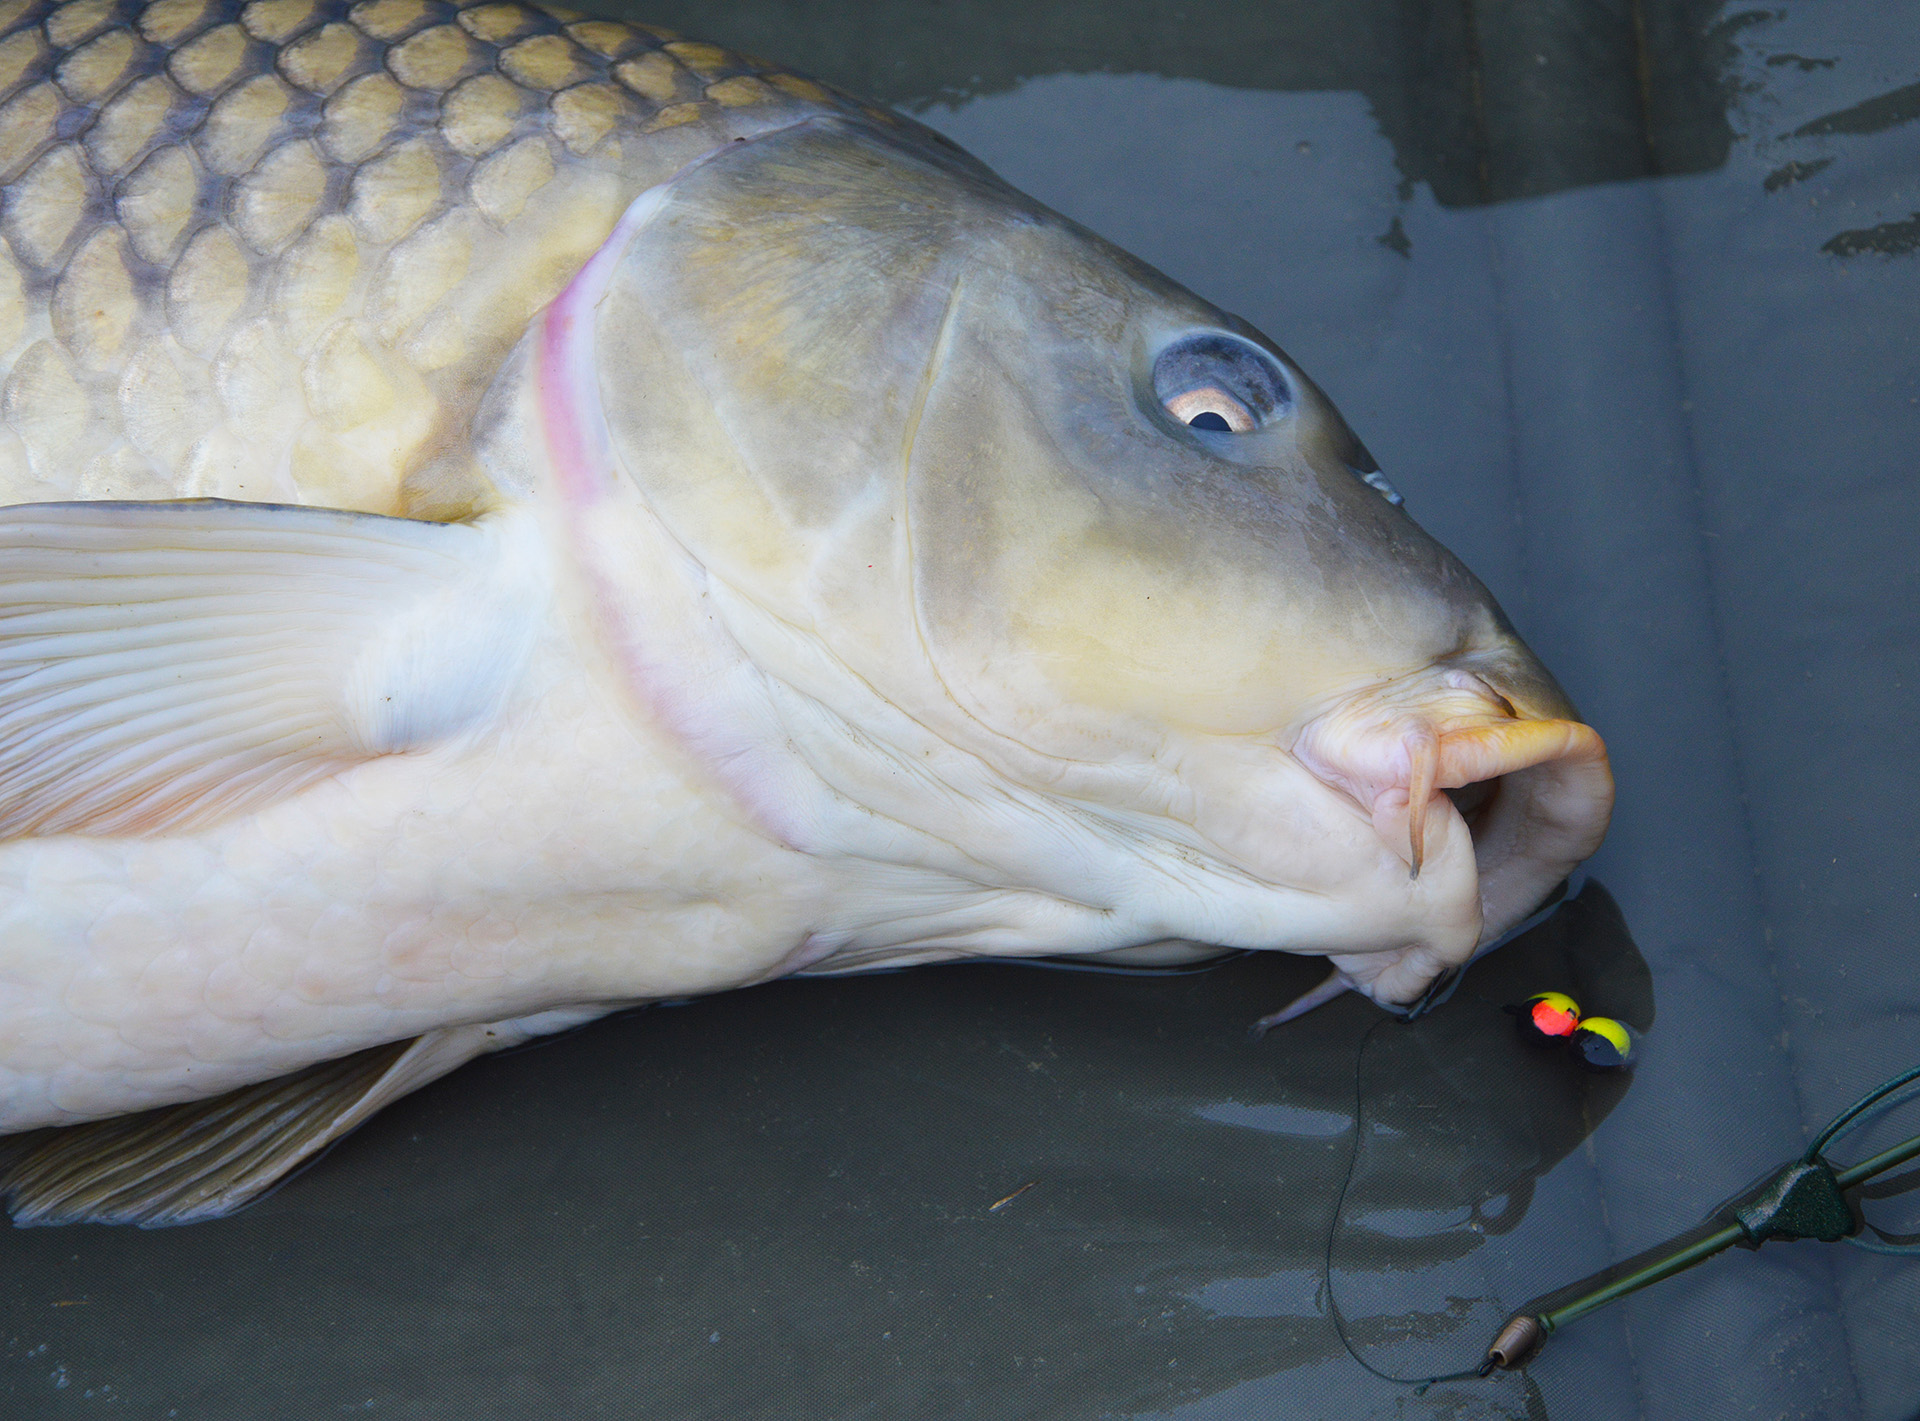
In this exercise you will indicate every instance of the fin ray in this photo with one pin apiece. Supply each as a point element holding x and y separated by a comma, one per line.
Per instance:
<point>163,665</point>
<point>184,1162</point>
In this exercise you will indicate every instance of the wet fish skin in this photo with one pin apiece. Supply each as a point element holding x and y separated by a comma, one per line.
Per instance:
<point>273,251</point>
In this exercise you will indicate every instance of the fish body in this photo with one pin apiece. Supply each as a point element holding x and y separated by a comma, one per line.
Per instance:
<point>510,514</point>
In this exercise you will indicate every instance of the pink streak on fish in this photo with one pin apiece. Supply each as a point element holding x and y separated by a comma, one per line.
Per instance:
<point>689,699</point>
<point>567,380</point>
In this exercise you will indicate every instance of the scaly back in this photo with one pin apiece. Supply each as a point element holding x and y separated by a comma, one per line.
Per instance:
<point>276,251</point>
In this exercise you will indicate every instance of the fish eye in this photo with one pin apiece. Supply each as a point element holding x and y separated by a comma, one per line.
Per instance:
<point>1220,384</point>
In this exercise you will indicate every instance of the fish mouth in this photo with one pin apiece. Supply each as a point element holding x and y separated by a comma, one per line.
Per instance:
<point>1476,770</point>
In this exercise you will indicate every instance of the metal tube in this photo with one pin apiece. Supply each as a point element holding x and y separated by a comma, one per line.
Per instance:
<point>1879,1164</point>
<point>1665,1268</point>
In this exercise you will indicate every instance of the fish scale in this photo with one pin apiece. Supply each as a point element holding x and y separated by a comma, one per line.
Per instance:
<point>275,251</point>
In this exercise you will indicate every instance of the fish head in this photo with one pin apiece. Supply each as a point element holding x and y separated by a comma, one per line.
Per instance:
<point>1076,582</point>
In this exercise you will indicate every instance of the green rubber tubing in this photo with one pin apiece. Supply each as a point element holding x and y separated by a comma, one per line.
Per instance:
<point>1718,1241</point>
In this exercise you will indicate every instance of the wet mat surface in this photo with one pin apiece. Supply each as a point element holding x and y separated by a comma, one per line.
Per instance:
<point>1674,422</point>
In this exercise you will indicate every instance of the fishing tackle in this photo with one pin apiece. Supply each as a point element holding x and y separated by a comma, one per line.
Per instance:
<point>1547,1018</point>
<point>1603,1043</point>
<point>1804,1199</point>
<point>1554,1018</point>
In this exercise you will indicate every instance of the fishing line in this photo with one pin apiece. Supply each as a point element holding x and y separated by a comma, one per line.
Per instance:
<point>1419,1384</point>
<point>1859,1117</point>
<point>1888,1095</point>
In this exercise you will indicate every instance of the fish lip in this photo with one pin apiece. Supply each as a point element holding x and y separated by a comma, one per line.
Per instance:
<point>1544,820</point>
<point>1486,739</point>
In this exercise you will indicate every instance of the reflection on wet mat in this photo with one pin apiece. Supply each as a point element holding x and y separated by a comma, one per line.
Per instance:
<point>1483,102</point>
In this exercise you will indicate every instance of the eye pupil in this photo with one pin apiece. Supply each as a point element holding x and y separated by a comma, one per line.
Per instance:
<point>1210,419</point>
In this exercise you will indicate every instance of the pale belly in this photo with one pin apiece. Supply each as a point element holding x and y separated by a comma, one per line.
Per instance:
<point>556,863</point>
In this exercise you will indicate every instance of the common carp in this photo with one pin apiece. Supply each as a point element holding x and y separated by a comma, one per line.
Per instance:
<point>510,514</point>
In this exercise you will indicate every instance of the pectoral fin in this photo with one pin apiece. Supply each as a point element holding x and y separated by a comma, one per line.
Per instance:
<point>163,665</point>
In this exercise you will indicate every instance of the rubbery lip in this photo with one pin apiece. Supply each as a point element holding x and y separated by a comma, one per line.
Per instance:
<point>1396,748</point>
<point>1551,813</point>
